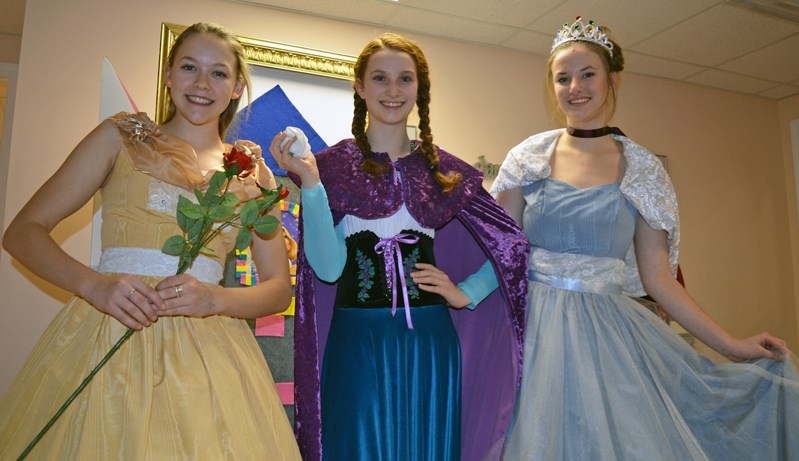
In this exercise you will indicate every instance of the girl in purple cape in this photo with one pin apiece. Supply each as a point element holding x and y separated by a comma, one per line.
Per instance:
<point>387,225</point>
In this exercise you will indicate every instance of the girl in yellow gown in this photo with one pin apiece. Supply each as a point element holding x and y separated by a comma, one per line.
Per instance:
<point>191,383</point>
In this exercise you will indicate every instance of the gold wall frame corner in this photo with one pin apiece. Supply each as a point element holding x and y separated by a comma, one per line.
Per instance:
<point>263,54</point>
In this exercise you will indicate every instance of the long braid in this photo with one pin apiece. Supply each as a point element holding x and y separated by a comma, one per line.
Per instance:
<point>369,164</point>
<point>399,43</point>
<point>446,181</point>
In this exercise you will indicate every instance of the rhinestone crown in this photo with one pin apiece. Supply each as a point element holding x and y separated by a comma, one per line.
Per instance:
<point>584,33</point>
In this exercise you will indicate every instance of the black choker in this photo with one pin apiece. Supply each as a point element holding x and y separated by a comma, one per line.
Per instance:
<point>595,133</point>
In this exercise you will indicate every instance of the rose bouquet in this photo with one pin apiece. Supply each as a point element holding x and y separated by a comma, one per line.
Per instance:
<point>216,209</point>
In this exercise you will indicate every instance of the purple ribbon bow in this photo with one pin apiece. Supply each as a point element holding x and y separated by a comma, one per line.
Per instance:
<point>390,249</point>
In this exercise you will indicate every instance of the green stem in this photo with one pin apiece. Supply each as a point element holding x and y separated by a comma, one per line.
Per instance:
<point>77,391</point>
<point>219,229</point>
<point>181,269</point>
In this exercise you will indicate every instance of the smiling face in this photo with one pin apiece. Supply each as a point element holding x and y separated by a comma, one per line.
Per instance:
<point>203,77</point>
<point>580,83</point>
<point>389,86</point>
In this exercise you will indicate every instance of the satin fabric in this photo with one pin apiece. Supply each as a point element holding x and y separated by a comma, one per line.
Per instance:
<point>399,373</point>
<point>183,388</point>
<point>605,379</point>
<point>170,159</point>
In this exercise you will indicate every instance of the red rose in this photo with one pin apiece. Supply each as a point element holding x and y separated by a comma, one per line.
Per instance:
<point>284,192</point>
<point>240,162</point>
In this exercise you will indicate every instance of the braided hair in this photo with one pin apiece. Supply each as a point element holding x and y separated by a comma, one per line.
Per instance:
<point>359,121</point>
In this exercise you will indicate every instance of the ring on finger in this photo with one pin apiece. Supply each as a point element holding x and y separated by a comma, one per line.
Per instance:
<point>178,290</point>
<point>131,291</point>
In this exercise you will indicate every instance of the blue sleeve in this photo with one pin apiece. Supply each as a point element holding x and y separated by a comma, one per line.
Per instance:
<point>323,243</point>
<point>480,284</point>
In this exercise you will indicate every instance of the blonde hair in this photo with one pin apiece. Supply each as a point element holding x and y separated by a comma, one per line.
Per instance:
<point>243,69</point>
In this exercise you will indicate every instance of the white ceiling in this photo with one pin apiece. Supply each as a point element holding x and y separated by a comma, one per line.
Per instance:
<point>715,43</point>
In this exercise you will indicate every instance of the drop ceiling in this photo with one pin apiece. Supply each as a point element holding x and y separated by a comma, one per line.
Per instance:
<point>749,46</point>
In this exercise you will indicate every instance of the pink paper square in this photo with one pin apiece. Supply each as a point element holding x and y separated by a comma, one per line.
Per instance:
<point>286,393</point>
<point>271,325</point>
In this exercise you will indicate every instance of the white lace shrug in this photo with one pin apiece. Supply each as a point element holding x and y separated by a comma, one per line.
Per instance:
<point>645,184</point>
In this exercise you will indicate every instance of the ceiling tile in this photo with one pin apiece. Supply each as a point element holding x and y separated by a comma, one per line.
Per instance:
<point>732,82</point>
<point>769,63</point>
<point>371,12</point>
<point>532,42</point>
<point>444,25</point>
<point>717,35</point>
<point>517,13</point>
<point>780,92</point>
<point>707,42</point>
<point>641,20</point>
<point>658,67</point>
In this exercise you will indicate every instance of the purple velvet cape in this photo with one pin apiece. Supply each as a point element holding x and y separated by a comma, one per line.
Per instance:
<point>470,226</point>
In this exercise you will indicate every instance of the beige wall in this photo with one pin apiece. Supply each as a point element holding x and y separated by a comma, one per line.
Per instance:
<point>725,151</point>
<point>789,112</point>
<point>9,48</point>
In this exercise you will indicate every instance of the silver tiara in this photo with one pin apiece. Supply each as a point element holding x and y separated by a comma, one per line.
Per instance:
<point>578,32</point>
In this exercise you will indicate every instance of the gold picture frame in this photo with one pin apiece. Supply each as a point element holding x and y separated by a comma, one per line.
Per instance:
<point>260,53</point>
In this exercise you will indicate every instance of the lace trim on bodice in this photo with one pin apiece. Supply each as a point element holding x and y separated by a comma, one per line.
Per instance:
<point>576,272</point>
<point>155,263</point>
<point>163,197</point>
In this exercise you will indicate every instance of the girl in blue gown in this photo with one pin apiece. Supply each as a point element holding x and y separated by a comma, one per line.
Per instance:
<point>604,379</point>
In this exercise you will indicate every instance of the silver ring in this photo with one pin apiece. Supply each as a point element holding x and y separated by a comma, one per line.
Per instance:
<point>178,290</point>
<point>130,293</point>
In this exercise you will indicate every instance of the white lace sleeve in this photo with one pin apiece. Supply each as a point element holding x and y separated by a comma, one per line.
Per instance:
<point>648,187</point>
<point>527,162</point>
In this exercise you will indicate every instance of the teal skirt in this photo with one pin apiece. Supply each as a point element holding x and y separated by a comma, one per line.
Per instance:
<point>389,392</point>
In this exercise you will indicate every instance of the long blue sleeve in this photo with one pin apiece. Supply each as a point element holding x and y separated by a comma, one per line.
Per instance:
<point>480,284</point>
<point>324,244</point>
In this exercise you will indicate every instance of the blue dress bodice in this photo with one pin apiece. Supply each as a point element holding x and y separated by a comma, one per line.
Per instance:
<point>596,221</point>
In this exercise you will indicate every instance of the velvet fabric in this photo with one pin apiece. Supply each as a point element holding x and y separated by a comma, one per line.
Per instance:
<point>364,346</point>
<point>470,227</point>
